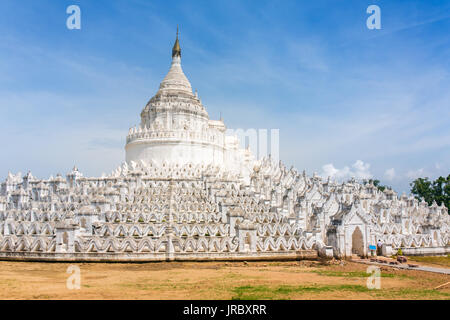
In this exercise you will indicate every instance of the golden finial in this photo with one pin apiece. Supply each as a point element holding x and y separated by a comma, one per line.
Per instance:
<point>176,50</point>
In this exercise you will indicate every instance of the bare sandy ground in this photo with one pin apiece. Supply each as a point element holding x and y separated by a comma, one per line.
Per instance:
<point>215,280</point>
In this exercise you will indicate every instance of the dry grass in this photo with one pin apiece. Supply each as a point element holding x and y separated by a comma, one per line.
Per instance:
<point>439,261</point>
<point>215,280</point>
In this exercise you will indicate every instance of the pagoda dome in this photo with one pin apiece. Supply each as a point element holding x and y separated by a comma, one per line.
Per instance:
<point>174,94</point>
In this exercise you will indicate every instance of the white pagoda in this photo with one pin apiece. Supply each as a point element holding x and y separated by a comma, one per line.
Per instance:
<point>175,129</point>
<point>189,192</point>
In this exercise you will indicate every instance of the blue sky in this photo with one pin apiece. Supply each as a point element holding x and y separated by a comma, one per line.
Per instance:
<point>347,100</point>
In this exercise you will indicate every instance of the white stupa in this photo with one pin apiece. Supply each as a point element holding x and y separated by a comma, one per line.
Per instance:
<point>175,128</point>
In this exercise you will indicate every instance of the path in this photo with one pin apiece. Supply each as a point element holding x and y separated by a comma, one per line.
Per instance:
<point>406,267</point>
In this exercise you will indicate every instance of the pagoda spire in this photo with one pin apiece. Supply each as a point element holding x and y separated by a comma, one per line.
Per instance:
<point>176,50</point>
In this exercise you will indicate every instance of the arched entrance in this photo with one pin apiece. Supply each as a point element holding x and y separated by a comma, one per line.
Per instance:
<point>247,243</point>
<point>65,241</point>
<point>357,242</point>
<point>65,238</point>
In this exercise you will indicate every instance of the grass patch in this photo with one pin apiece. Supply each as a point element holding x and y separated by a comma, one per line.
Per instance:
<point>283,292</point>
<point>253,293</point>
<point>439,260</point>
<point>408,293</point>
<point>357,274</point>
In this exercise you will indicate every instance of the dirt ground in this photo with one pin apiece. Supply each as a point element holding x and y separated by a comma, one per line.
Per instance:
<point>216,280</point>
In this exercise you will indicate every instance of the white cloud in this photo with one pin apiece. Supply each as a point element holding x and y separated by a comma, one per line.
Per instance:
<point>414,174</point>
<point>390,174</point>
<point>358,170</point>
<point>330,171</point>
<point>362,170</point>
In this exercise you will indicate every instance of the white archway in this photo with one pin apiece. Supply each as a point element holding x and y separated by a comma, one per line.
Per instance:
<point>357,242</point>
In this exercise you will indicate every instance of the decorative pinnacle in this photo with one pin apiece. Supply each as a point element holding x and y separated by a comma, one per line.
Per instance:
<point>176,50</point>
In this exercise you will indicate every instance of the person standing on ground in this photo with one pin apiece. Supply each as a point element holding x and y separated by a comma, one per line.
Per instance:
<point>379,245</point>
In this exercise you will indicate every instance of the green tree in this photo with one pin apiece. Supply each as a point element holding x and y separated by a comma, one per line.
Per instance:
<point>421,188</point>
<point>377,184</point>
<point>437,190</point>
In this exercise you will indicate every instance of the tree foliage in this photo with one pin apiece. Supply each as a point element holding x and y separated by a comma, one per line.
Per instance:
<point>437,190</point>
<point>377,184</point>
